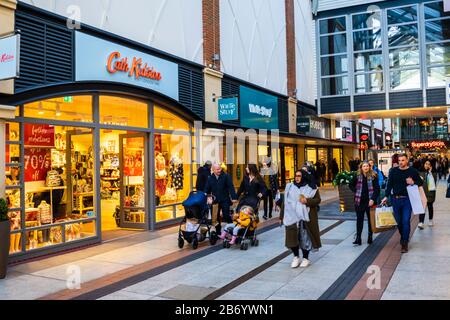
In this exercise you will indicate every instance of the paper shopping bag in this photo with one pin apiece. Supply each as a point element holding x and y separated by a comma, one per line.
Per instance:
<point>214,213</point>
<point>384,219</point>
<point>416,199</point>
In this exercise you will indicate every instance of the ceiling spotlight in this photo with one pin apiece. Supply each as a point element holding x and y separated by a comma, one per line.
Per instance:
<point>161,124</point>
<point>41,109</point>
<point>58,110</point>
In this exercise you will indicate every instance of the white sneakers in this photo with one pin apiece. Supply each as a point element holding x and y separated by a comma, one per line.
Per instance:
<point>295,263</point>
<point>421,226</point>
<point>305,263</point>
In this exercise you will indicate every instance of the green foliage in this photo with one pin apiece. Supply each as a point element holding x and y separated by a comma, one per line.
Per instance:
<point>3,210</point>
<point>344,178</point>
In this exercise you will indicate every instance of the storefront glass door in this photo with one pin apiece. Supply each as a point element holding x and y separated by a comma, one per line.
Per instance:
<point>133,202</point>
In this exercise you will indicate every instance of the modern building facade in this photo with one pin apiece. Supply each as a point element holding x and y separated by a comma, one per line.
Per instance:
<point>385,60</point>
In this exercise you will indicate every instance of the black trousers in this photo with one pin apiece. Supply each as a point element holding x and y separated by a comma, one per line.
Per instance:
<point>268,203</point>
<point>296,252</point>
<point>360,221</point>
<point>430,213</point>
<point>224,208</point>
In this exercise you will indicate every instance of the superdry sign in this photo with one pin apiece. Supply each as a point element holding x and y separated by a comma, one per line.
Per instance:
<point>428,145</point>
<point>101,60</point>
<point>136,69</point>
<point>9,57</point>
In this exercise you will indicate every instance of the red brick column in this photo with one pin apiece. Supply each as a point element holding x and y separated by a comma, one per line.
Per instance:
<point>290,47</point>
<point>211,33</point>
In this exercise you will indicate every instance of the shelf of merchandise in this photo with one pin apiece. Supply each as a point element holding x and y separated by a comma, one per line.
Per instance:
<point>81,197</point>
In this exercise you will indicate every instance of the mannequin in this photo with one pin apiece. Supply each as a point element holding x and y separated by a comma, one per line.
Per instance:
<point>176,172</point>
<point>161,174</point>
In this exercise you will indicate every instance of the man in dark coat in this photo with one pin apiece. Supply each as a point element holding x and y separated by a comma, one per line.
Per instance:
<point>203,174</point>
<point>221,188</point>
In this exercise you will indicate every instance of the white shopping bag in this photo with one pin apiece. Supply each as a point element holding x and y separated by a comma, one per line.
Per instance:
<point>415,199</point>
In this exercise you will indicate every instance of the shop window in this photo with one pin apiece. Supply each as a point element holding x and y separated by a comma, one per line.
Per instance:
<point>173,173</point>
<point>164,120</point>
<point>123,112</point>
<point>70,108</point>
<point>59,183</point>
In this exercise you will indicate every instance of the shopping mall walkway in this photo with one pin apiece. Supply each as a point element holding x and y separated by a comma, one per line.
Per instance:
<point>150,266</point>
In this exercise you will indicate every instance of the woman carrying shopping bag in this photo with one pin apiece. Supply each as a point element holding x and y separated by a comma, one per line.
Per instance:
<point>367,190</point>
<point>300,218</point>
<point>429,186</point>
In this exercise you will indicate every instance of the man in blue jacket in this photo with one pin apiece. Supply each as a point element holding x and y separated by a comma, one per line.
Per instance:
<point>221,188</point>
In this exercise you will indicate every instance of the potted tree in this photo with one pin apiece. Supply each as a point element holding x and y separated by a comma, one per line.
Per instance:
<point>346,196</point>
<point>5,228</point>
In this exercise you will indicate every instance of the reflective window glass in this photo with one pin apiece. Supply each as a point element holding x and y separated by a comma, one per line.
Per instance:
<point>333,44</point>
<point>332,25</point>
<point>334,65</point>
<point>402,15</point>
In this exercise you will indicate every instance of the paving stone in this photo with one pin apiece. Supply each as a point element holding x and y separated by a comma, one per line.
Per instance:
<point>185,292</point>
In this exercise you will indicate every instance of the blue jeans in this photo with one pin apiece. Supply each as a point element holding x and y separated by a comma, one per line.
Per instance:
<point>402,212</point>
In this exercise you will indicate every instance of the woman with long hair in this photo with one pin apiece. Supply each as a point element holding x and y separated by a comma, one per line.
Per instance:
<point>430,181</point>
<point>252,188</point>
<point>299,215</point>
<point>367,190</point>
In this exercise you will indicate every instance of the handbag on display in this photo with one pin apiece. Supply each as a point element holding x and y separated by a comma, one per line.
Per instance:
<point>170,195</point>
<point>382,219</point>
<point>53,179</point>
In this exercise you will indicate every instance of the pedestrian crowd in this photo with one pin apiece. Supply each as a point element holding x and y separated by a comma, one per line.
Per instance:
<point>299,204</point>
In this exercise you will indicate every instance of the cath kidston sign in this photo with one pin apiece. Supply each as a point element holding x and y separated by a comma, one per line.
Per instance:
<point>9,57</point>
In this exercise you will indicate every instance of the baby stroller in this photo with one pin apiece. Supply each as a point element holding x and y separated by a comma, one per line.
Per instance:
<point>246,236</point>
<point>196,224</point>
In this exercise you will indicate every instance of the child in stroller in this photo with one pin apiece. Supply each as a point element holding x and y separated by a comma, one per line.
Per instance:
<point>242,230</point>
<point>196,225</point>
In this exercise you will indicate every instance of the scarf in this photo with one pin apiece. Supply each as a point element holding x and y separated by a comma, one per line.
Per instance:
<point>359,187</point>
<point>430,182</point>
<point>294,210</point>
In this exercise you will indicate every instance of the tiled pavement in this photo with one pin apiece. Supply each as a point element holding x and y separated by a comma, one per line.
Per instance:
<point>218,272</point>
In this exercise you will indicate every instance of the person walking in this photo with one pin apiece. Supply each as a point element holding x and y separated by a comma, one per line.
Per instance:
<point>334,168</point>
<point>270,176</point>
<point>203,174</point>
<point>323,172</point>
<point>444,167</point>
<point>252,188</point>
<point>354,164</point>
<point>429,186</point>
<point>300,217</point>
<point>367,190</point>
<point>398,180</point>
<point>220,190</point>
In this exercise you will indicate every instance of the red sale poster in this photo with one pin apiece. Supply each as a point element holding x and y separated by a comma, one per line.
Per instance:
<point>7,158</point>
<point>37,164</point>
<point>133,150</point>
<point>39,135</point>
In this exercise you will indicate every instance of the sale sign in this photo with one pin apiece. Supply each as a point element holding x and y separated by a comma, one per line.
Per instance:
<point>133,157</point>
<point>37,163</point>
<point>39,135</point>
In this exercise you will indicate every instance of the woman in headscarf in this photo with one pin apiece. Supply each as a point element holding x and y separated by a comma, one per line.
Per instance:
<point>300,217</point>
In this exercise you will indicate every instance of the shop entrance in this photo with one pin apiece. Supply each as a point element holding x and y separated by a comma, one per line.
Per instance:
<point>288,159</point>
<point>315,155</point>
<point>123,184</point>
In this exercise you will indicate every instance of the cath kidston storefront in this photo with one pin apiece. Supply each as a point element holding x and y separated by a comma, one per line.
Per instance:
<point>93,158</point>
